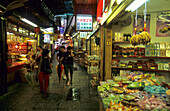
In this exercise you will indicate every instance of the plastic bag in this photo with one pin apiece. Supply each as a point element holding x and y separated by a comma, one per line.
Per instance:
<point>31,78</point>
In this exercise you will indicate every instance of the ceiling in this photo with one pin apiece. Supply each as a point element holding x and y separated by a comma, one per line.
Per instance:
<point>85,1</point>
<point>155,6</point>
<point>47,13</point>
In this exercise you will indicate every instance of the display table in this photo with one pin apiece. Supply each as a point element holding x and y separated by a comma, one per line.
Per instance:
<point>16,66</point>
<point>12,75</point>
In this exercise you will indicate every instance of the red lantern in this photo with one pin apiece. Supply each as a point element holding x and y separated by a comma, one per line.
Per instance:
<point>37,29</point>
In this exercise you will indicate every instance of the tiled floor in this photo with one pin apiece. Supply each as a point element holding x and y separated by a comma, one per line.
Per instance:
<point>24,98</point>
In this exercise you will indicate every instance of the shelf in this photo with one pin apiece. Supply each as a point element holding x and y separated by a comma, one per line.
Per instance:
<point>149,70</point>
<point>142,57</point>
<point>93,61</point>
<point>124,42</point>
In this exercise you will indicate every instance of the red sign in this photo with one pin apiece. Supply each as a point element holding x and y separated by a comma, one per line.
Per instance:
<point>99,10</point>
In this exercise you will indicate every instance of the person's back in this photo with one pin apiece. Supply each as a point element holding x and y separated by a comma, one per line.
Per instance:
<point>68,64</point>
<point>45,68</point>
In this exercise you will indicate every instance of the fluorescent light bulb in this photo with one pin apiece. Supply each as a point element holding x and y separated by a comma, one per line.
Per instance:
<point>135,5</point>
<point>119,1</point>
<point>29,22</point>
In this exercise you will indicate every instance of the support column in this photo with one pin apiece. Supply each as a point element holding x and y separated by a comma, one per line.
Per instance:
<point>3,56</point>
<point>108,53</point>
<point>102,53</point>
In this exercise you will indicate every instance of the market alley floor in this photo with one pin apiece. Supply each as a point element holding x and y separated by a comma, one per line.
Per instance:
<point>24,98</point>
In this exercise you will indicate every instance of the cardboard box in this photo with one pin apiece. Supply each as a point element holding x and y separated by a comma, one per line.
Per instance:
<point>157,53</point>
<point>167,45</point>
<point>163,52</point>
<point>152,46</point>
<point>162,45</point>
<point>168,53</point>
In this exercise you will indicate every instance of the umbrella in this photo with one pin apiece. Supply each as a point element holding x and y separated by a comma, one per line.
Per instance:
<point>60,70</point>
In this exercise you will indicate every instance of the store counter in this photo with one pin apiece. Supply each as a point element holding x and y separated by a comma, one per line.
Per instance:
<point>15,66</point>
<point>13,75</point>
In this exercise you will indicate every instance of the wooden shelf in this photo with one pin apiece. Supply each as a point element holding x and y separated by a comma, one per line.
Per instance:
<point>149,70</point>
<point>93,61</point>
<point>142,57</point>
<point>124,42</point>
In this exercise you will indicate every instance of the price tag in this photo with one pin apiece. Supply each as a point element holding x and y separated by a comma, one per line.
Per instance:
<point>125,56</point>
<point>140,67</point>
<point>129,66</point>
<point>153,68</point>
<point>122,65</point>
<point>114,55</point>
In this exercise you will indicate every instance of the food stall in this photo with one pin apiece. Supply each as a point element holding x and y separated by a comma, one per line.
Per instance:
<point>137,63</point>
<point>19,45</point>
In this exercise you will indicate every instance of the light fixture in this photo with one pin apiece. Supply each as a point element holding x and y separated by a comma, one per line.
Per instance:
<point>29,22</point>
<point>44,30</point>
<point>135,4</point>
<point>119,1</point>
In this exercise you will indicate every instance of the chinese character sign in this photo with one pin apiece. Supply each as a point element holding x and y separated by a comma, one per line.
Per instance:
<point>84,22</point>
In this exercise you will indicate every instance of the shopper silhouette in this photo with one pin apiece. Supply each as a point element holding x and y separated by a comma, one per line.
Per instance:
<point>45,69</point>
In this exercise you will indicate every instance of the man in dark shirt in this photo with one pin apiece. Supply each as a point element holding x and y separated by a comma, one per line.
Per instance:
<point>68,65</point>
<point>59,57</point>
<point>60,54</point>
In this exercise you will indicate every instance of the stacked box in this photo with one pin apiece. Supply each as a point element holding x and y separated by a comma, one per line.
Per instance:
<point>147,52</point>
<point>157,53</point>
<point>162,45</point>
<point>157,45</point>
<point>152,46</point>
<point>166,66</point>
<point>167,45</point>
<point>163,52</point>
<point>168,53</point>
<point>152,52</point>
<point>147,47</point>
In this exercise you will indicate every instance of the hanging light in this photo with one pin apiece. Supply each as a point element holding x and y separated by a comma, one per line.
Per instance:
<point>29,22</point>
<point>135,5</point>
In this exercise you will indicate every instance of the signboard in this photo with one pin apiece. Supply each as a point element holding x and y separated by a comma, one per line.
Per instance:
<point>83,34</point>
<point>49,31</point>
<point>99,10</point>
<point>61,29</point>
<point>84,23</point>
<point>47,38</point>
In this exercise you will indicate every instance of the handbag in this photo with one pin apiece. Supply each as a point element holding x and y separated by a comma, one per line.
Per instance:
<point>48,70</point>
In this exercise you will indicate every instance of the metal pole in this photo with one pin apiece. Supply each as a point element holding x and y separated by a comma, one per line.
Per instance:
<point>3,55</point>
<point>90,45</point>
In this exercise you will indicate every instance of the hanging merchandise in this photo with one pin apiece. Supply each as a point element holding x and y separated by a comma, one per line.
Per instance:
<point>144,37</point>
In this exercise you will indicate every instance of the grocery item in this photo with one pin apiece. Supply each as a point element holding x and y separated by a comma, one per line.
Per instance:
<point>152,103</point>
<point>136,85</point>
<point>155,89</point>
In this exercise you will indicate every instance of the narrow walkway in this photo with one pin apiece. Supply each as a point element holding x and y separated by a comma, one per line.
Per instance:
<point>24,98</point>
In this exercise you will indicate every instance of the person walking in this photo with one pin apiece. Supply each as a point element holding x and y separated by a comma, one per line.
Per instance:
<point>45,69</point>
<point>61,62</point>
<point>39,51</point>
<point>68,58</point>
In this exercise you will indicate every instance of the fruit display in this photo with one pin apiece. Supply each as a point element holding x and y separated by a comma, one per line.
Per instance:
<point>142,38</point>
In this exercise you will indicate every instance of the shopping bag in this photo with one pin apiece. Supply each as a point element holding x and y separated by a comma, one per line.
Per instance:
<point>31,78</point>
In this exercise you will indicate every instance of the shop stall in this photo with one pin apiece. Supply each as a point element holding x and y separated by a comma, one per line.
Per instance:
<point>137,63</point>
<point>21,48</point>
